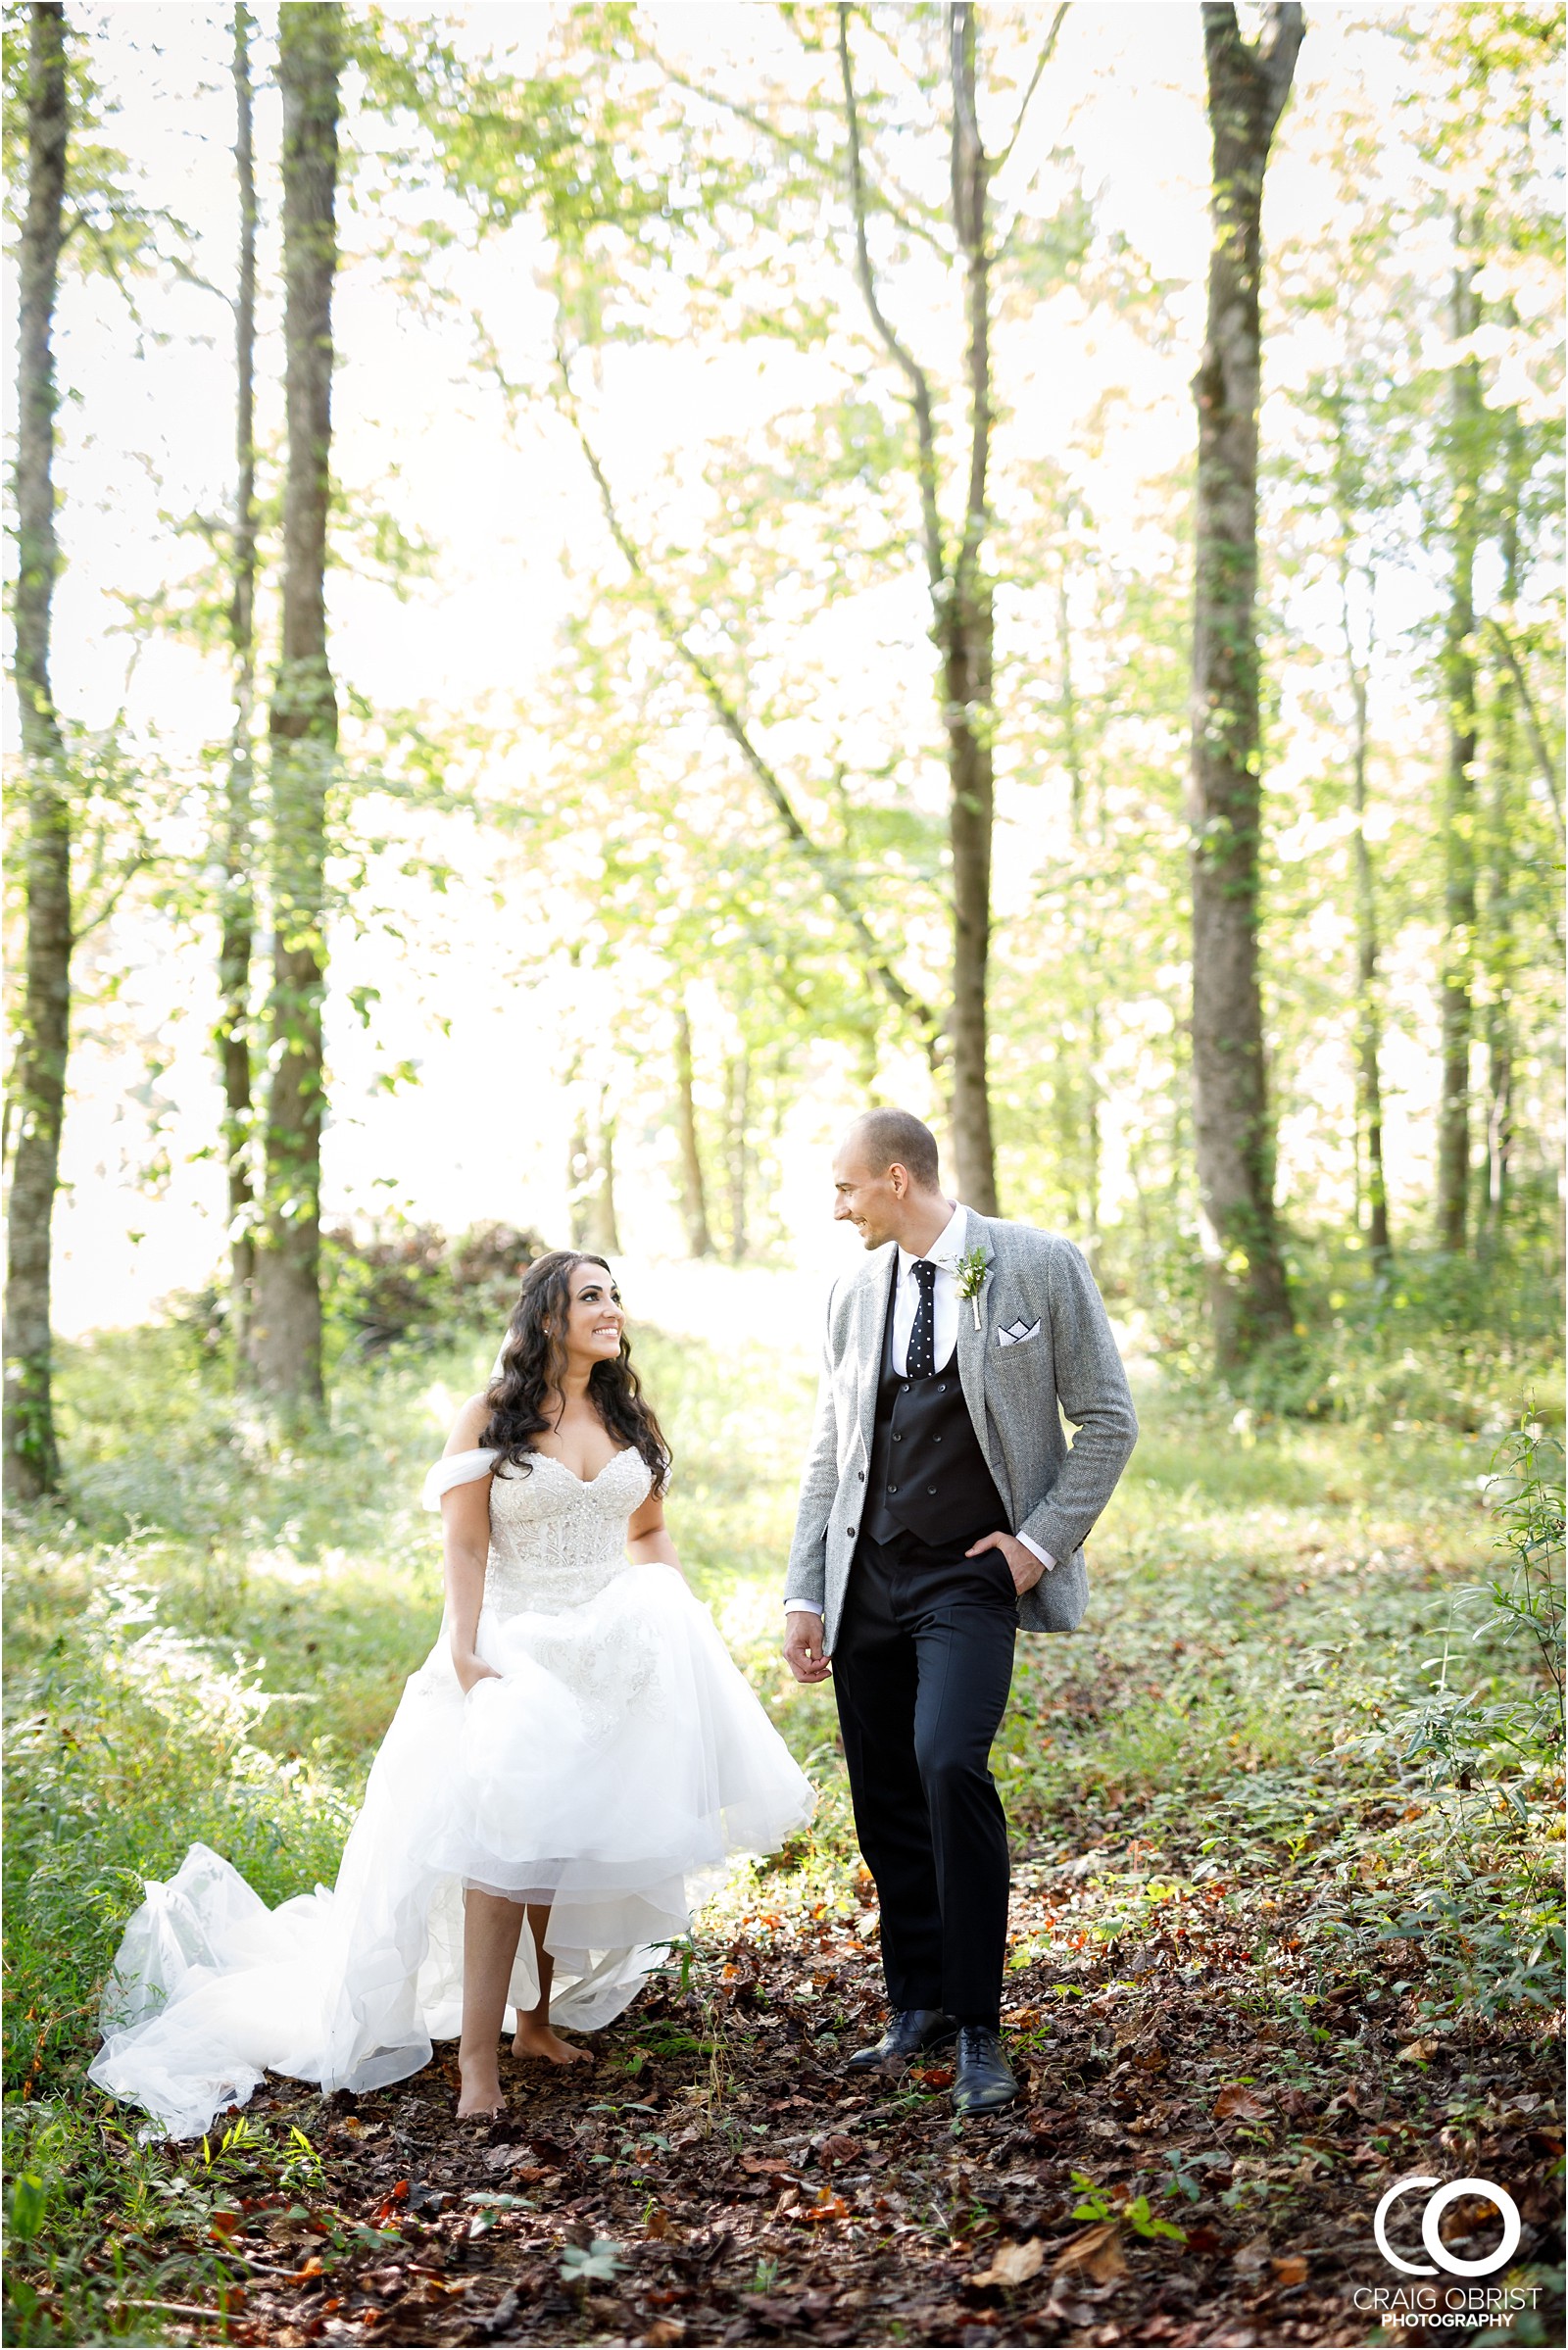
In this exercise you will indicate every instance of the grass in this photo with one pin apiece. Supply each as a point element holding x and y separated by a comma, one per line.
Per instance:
<point>210,1638</point>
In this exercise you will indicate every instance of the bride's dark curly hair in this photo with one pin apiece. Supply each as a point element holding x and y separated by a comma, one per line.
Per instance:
<point>533,1362</point>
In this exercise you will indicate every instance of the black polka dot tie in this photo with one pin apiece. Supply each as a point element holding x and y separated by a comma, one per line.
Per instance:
<point>923,1337</point>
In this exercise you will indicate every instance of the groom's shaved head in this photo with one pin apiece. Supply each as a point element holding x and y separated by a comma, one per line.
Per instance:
<point>895,1138</point>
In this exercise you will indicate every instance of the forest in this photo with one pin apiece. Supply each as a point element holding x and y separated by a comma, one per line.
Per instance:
<point>593,589</point>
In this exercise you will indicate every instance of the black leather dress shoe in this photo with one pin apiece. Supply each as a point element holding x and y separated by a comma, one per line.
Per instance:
<point>983,2078</point>
<point>911,2031</point>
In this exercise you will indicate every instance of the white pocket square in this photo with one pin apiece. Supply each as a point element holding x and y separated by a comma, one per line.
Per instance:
<point>1016,1332</point>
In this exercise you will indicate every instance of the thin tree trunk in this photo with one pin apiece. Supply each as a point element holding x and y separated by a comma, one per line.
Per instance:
<point>694,1188</point>
<point>739,1092</point>
<point>603,1233</point>
<point>960,598</point>
<point>580,1172</point>
<point>1247,86</point>
<point>1071,747</point>
<point>1073,759</point>
<point>591,1169</point>
<point>1500,946</point>
<point>967,666</point>
<point>1093,1146</point>
<point>1368,1014</point>
<point>1458,800</point>
<point>38,1075</point>
<point>1500,952</point>
<point>301,726</point>
<point>1545,766</point>
<point>233,1033</point>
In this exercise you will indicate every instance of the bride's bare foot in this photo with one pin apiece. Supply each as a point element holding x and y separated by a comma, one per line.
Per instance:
<point>481,2097</point>
<point>535,2039</point>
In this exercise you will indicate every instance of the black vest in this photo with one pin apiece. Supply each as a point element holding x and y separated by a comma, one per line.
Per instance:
<point>928,1475</point>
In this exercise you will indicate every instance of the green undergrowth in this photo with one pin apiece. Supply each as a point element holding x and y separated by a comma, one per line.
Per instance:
<point>1313,1707</point>
<point>1431,1342</point>
<point>1318,1699</point>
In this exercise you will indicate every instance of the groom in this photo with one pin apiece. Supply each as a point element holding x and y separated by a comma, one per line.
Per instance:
<point>940,1508</point>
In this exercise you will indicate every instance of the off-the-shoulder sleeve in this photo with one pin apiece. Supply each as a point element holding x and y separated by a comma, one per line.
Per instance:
<point>457,1468</point>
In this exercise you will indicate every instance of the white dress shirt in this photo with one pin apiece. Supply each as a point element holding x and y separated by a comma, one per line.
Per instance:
<point>944,1253</point>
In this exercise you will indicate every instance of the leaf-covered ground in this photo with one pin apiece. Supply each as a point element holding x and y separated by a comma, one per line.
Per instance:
<point>1175,2173</point>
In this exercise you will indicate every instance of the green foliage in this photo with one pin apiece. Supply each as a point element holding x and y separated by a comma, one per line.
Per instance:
<point>129,1740</point>
<point>1251,1710</point>
<point>1486,1748</point>
<point>1095,2204</point>
<point>591,2264</point>
<point>110,229</point>
<point>1432,1342</point>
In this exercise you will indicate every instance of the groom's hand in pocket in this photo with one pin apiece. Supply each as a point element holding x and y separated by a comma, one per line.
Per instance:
<point>1025,1566</point>
<point>803,1646</point>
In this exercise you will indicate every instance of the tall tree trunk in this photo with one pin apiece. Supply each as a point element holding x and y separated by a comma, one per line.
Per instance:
<point>960,599</point>
<point>967,664</point>
<point>302,726</point>
<point>1368,984</point>
<point>1247,86</point>
<point>1500,960</point>
<point>694,1188</point>
<point>232,1037</point>
<point>1500,949</point>
<point>1458,798</point>
<point>36,1107</point>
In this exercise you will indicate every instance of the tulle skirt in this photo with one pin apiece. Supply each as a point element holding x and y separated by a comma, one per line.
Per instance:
<point>614,1769</point>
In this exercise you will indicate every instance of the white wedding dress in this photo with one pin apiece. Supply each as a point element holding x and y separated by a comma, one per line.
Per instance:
<point>614,1769</point>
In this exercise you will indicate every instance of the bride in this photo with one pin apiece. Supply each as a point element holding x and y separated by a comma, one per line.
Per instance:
<point>578,1754</point>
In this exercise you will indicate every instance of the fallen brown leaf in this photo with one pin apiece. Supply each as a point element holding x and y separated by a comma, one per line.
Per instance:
<point>1013,2264</point>
<point>662,2332</point>
<point>839,2149</point>
<point>1096,2251</point>
<point>1237,2102</point>
<point>434,2290</point>
<point>1291,2271</point>
<point>1420,2052</point>
<point>1254,2256</point>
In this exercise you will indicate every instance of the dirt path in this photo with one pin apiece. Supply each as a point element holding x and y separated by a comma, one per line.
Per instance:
<point>719,2179</point>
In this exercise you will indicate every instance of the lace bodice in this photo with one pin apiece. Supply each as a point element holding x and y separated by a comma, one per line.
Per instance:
<point>554,1540</point>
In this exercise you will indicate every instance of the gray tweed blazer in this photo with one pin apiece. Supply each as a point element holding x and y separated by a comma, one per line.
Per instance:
<point>1044,1347</point>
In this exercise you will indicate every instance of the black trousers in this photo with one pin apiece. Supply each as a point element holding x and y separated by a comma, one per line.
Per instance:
<point>921,1670</point>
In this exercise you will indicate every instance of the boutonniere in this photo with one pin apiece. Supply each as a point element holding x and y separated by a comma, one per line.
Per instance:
<point>971,1272</point>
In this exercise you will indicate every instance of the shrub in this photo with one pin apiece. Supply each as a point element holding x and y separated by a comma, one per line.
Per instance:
<point>409,1281</point>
